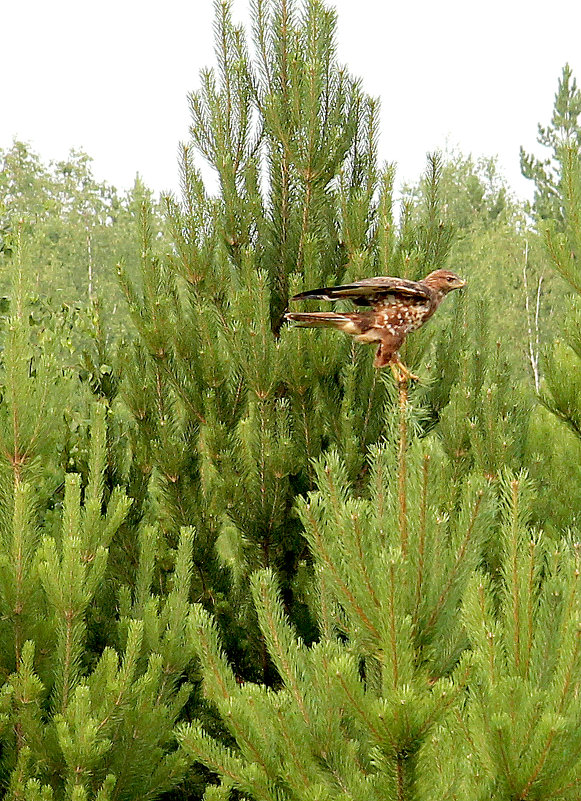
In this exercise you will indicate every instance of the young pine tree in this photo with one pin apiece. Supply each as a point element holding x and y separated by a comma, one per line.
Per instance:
<point>351,715</point>
<point>94,672</point>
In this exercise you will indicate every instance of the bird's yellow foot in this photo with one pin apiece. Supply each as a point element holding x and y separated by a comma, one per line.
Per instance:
<point>401,372</point>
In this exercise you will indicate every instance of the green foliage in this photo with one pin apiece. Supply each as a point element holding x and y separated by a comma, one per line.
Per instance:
<point>553,458</point>
<point>482,416</point>
<point>351,713</point>
<point>280,130</point>
<point>34,391</point>
<point>76,228</point>
<point>398,525</point>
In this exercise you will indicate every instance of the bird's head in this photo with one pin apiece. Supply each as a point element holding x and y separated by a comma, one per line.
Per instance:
<point>444,281</point>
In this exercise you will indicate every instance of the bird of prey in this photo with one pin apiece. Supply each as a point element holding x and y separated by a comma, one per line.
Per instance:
<point>393,308</point>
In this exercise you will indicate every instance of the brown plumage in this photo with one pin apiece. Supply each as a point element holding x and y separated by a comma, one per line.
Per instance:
<point>395,306</point>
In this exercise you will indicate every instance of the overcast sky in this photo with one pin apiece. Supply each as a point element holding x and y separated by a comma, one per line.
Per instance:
<point>111,77</point>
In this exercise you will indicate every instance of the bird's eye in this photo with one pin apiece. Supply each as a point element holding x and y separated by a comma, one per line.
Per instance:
<point>449,278</point>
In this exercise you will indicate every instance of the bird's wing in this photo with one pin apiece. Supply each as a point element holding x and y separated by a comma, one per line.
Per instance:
<point>371,291</point>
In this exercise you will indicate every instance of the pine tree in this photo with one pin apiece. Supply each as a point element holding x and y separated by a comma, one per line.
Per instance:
<point>230,408</point>
<point>564,130</point>
<point>94,672</point>
<point>448,659</point>
<point>563,362</point>
<point>522,721</point>
<point>351,714</point>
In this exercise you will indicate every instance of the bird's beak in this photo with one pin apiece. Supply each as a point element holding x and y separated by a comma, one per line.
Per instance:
<point>461,283</point>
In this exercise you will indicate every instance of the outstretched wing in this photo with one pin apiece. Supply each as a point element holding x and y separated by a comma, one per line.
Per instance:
<point>379,291</point>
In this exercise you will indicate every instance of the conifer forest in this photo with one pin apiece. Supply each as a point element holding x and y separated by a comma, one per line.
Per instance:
<point>237,561</point>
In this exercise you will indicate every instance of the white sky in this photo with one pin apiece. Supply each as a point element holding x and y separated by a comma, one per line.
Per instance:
<point>111,77</point>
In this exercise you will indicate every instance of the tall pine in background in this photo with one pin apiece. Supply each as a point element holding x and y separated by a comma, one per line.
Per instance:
<point>230,408</point>
<point>564,130</point>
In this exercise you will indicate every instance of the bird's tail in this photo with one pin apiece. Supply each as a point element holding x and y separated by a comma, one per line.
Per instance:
<point>320,320</point>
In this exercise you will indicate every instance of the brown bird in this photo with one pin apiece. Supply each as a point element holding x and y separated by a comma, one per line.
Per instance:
<point>397,306</point>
